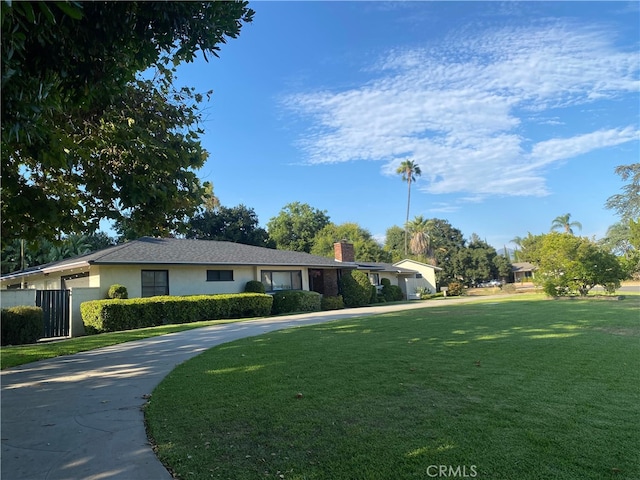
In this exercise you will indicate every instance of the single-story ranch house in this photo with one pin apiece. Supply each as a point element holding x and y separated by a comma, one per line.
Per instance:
<point>169,266</point>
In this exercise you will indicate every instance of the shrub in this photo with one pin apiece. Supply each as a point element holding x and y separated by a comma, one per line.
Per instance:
<point>392,293</point>
<point>356,288</point>
<point>117,292</point>
<point>455,289</point>
<point>116,315</point>
<point>254,286</point>
<point>385,282</point>
<point>332,303</point>
<point>288,301</point>
<point>21,325</point>
<point>374,294</point>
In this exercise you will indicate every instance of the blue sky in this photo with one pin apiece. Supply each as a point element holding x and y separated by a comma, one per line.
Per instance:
<point>515,112</point>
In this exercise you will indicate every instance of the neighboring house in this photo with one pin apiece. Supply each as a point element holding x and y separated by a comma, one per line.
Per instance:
<point>523,272</point>
<point>424,278</point>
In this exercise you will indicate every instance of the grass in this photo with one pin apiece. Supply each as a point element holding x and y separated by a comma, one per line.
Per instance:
<point>11,356</point>
<point>507,388</point>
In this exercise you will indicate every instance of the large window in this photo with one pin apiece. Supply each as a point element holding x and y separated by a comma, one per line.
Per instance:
<point>219,275</point>
<point>155,282</point>
<point>282,280</point>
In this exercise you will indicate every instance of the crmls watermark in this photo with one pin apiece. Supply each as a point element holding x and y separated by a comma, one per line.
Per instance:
<point>451,471</point>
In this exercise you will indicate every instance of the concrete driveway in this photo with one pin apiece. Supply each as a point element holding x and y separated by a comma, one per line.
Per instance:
<point>79,416</point>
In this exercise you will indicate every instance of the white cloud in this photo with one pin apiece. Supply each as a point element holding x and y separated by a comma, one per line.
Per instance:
<point>461,110</point>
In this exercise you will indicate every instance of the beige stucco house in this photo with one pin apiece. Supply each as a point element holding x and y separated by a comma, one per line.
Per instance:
<point>169,266</point>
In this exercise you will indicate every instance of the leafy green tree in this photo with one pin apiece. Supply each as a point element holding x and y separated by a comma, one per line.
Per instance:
<point>446,241</point>
<point>572,264</point>
<point>563,222</point>
<point>409,171</point>
<point>86,135</point>
<point>237,224</point>
<point>365,247</point>
<point>479,261</point>
<point>296,226</point>
<point>627,203</point>
<point>394,243</point>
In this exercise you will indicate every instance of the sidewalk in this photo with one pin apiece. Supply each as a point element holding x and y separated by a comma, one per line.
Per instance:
<point>80,416</point>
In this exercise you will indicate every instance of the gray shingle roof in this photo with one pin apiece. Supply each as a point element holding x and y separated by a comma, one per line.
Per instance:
<point>174,251</point>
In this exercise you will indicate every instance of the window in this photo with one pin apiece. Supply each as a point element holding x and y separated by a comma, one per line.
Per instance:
<point>219,275</point>
<point>155,282</point>
<point>282,280</point>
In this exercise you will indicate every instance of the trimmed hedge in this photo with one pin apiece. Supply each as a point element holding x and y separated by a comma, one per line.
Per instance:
<point>392,293</point>
<point>288,301</point>
<point>114,315</point>
<point>21,325</point>
<point>332,303</point>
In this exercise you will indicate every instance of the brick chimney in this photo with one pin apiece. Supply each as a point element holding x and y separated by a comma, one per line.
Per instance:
<point>343,251</point>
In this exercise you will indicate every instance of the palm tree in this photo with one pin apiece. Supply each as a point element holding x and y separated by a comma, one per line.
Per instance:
<point>420,243</point>
<point>563,222</point>
<point>516,253</point>
<point>409,171</point>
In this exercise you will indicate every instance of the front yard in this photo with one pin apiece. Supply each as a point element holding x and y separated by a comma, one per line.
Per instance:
<point>508,388</point>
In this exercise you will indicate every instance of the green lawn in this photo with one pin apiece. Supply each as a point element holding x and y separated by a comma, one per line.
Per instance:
<point>520,388</point>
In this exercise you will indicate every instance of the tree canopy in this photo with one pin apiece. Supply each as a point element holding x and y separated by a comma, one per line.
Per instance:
<point>627,203</point>
<point>295,227</point>
<point>92,124</point>
<point>364,245</point>
<point>237,224</point>
<point>568,264</point>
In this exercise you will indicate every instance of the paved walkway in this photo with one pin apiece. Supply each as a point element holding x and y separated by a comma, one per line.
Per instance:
<point>79,416</point>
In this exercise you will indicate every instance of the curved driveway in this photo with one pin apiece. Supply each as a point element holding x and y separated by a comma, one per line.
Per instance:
<point>80,416</point>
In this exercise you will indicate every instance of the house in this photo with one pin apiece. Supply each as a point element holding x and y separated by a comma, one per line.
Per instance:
<point>170,266</point>
<point>523,272</point>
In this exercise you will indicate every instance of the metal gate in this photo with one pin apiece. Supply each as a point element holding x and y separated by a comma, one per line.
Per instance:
<point>55,308</point>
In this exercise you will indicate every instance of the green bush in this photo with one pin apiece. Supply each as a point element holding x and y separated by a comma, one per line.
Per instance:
<point>356,288</point>
<point>385,282</point>
<point>117,292</point>
<point>374,294</point>
<point>392,293</point>
<point>116,315</point>
<point>288,301</point>
<point>455,289</point>
<point>21,325</point>
<point>254,286</point>
<point>332,303</point>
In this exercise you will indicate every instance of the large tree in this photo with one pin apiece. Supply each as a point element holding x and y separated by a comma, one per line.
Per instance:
<point>93,126</point>
<point>237,224</point>
<point>295,227</point>
<point>569,264</point>
<point>627,203</point>
<point>364,245</point>
<point>409,171</point>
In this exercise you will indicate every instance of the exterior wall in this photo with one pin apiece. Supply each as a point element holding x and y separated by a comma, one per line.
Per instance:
<point>186,279</point>
<point>17,298</point>
<point>79,295</point>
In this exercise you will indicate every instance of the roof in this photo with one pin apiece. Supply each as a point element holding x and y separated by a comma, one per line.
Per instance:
<point>383,267</point>
<point>174,251</point>
<point>523,267</point>
<point>408,260</point>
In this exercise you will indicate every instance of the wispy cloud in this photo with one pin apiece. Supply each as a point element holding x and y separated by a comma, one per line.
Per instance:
<point>461,110</point>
